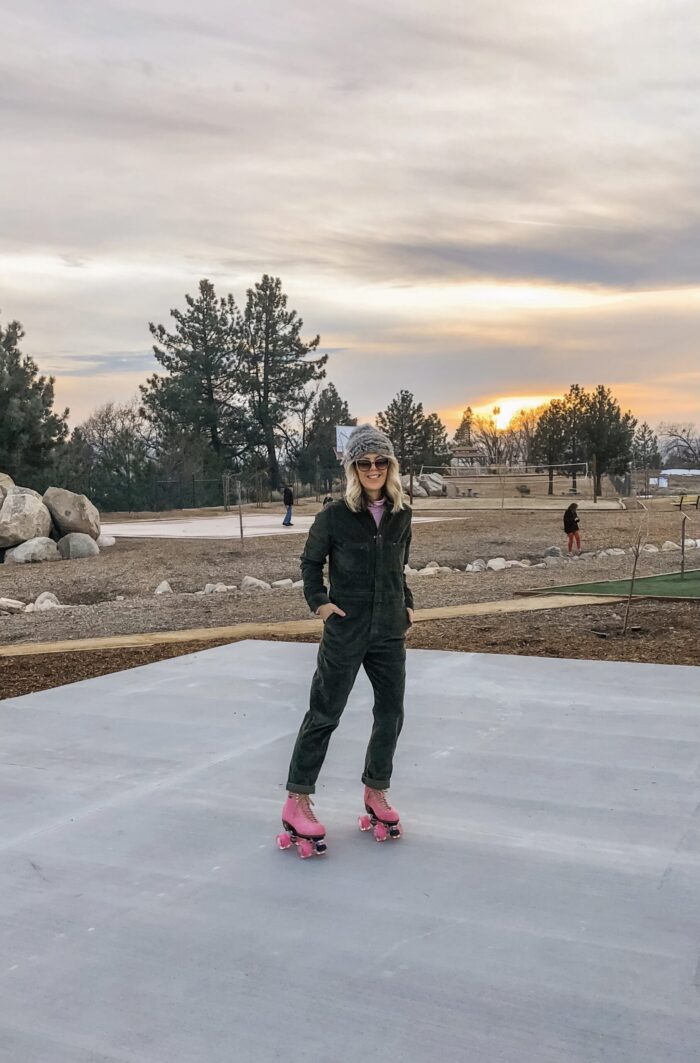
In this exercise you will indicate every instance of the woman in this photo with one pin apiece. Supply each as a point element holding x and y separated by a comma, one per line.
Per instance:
<point>571,524</point>
<point>366,612</point>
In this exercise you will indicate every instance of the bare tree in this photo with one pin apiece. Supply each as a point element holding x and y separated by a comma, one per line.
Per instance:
<point>680,444</point>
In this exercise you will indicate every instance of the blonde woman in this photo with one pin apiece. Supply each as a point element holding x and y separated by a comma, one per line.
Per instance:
<point>366,612</point>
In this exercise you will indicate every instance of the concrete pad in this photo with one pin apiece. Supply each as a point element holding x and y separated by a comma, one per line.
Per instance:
<point>222,527</point>
<point>543,906</point>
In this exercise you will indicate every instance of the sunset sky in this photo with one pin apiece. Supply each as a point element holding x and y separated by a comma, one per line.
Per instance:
<point>471,201</point>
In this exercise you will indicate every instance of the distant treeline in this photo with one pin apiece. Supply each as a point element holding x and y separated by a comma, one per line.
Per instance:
<point>240,396</point>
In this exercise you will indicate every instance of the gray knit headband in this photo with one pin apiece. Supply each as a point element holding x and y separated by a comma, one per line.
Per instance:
<point>366,440</point>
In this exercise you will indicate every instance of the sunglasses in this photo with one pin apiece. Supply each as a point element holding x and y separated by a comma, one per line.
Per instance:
<point>364,464</point>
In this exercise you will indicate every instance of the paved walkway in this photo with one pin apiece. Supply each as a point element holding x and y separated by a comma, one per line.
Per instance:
<point>223,527</point>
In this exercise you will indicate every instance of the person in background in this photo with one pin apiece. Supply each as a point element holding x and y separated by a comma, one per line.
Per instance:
<point>288,500</point>
<point>571,527</point>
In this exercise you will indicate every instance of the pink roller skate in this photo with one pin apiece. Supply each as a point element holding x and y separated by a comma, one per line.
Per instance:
<point>380,815</point>
<point>301,828</point>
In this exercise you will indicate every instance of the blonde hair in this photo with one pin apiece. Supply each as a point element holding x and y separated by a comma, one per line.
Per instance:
<point>355,497</point>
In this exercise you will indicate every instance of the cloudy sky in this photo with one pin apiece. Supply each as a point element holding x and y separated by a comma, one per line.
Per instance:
<point>468,200</point>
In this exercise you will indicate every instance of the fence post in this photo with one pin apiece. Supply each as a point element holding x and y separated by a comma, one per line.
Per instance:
<point>594,469</point>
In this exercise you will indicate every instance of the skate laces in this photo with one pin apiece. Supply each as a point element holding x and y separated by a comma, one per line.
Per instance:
<point>381,799</point>
<point>305,803</point>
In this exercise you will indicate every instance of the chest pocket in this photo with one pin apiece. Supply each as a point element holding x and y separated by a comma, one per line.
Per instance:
<point>350,560</point>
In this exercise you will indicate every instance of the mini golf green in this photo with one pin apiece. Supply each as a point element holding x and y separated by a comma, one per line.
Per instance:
<point>668,585</point>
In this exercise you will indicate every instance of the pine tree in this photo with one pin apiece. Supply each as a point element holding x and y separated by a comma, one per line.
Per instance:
<point>329,412</point>
<point>275,364</point>
<point>201,393</point>
<point>436,448</point>
<point>404,422</point>
<point>31,432</point>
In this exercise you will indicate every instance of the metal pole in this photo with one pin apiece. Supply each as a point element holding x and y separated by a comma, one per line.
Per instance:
<point>684,519</point>
<point>240,511</point>
<point>410,488</point>
<point>594,466</point>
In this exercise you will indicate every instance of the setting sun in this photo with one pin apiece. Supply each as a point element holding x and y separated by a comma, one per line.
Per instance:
<point>510,405</point>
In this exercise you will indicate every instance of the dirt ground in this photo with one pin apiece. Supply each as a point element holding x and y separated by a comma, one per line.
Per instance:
<point>668,632</point>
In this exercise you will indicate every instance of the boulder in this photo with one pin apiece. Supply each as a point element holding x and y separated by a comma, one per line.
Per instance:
<point>479,565</point>
<point>283,583</point>
<point>553,551</point>
<point>418,490</point>
<point>72,513</point>
<point>45,606</point>
<point>445,570</point>
<point>615,551</point>
<point>163,588</point>
<point>690,544</point>
<point>34,550</point>
<point>23,517</point>
<point>426,572</point>
<point>76,546</point>
<point>666,547</point>
<point>46,600</point>
<point>496,564</point>
<point>525,563</point>
<point>432,483</point>
<point>649,548</point>
<point>250,583</point>
<point>14,490</point>
<point>468,568</point>
<point>104,540</point>
<point>432,564</point>
<point>298,583</point>
<point>552,561</point>
<point>516,564</point>
<point>11,605</point>
<point>46,596</point>
<point>215,588</point>
<point>5,482</point>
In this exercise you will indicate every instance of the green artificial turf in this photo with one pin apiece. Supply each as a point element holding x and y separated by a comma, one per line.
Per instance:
<point>668,585</point>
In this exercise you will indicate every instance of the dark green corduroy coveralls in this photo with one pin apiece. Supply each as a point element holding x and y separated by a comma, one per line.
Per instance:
<point>366,568</point>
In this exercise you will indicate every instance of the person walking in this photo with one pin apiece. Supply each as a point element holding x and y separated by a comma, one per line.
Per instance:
<point>288,500</point>
<point>366,612</point>
<point>571,527</point>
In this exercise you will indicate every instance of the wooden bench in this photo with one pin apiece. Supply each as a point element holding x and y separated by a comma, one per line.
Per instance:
<point>688,500</point>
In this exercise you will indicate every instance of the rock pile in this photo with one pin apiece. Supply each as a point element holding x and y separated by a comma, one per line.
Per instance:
<point>60,525</point>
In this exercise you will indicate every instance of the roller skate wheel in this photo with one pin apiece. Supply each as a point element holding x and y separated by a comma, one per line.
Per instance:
<point>284,841</point>
<point>321,848</point>
<point>365,823</point>
<point>381,833</point>
<point>305,849</point>
<point>395,832</point>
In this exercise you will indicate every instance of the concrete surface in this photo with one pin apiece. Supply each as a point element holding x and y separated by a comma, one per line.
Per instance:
<point>543,906</point>
<point>223,527</point>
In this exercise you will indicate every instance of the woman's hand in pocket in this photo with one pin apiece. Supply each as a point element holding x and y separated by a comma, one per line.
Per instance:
<point>324,611</point>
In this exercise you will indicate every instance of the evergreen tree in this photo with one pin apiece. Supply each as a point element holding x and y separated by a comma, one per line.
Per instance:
<point>30,431</point>
<point>201,393</point>
<point>608,433</point>
<point>404,422</point>
<point>645,448</point>
<point>550,441</point>
<point>436,448</point>
<point>275,368</point>
<point>319,455</point>
<point>463,435</point>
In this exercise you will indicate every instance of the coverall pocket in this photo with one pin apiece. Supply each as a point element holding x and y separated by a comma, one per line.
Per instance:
<point>352,560</point>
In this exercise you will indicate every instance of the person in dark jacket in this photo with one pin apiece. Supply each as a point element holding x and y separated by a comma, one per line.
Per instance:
<point>288,500</point>
<point>571,527</point>
<point>367,610</point>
